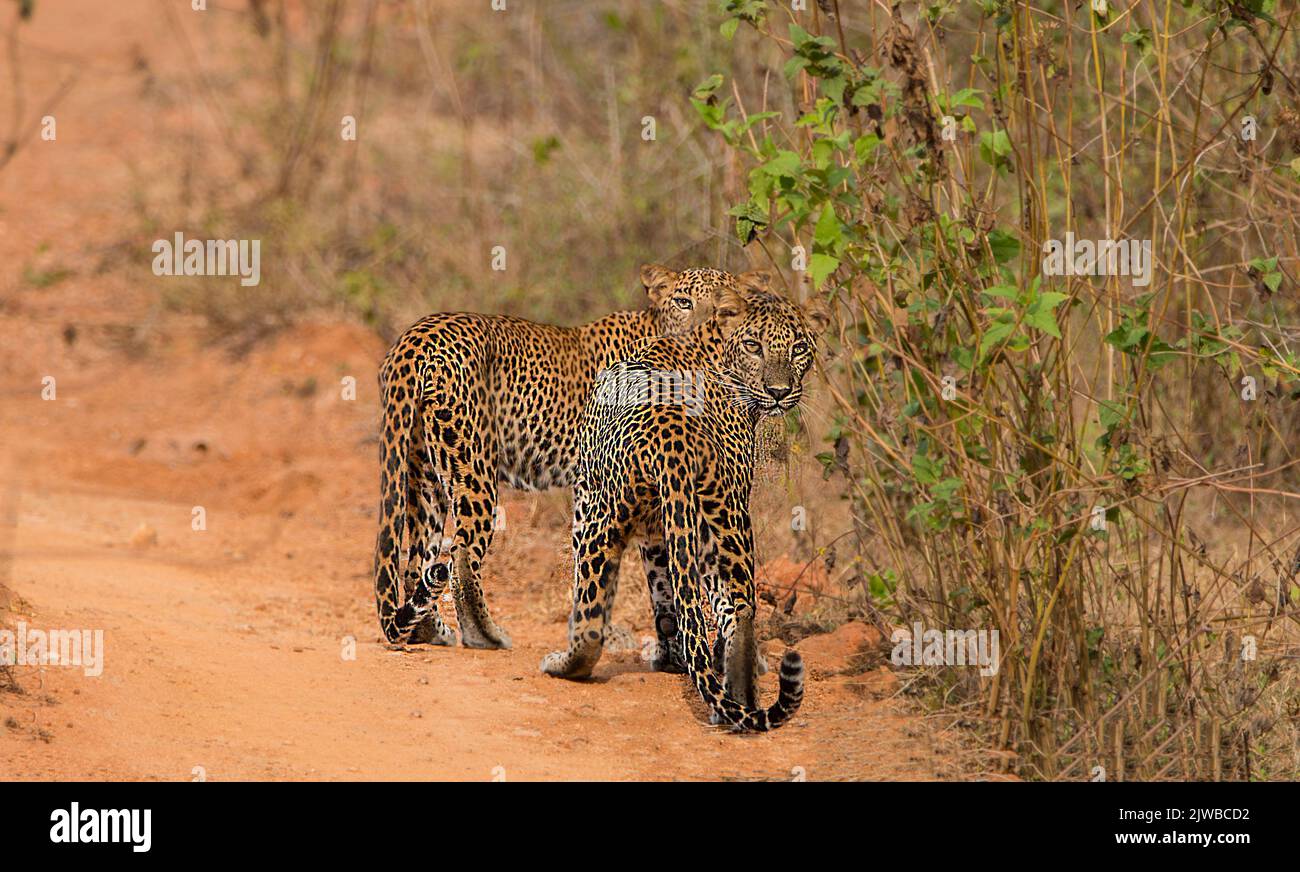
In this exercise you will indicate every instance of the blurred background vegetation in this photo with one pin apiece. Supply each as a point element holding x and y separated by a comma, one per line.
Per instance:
<point>475,129</point>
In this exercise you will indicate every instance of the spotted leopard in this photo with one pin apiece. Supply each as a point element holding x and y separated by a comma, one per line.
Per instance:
<point>679,473</point>
<point>470,401</point>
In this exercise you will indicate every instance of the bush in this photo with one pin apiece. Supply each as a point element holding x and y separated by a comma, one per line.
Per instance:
<point>1092,465</point>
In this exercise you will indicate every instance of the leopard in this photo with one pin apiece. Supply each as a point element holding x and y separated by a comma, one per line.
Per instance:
<point>472,401</point>
<point>675,469</point>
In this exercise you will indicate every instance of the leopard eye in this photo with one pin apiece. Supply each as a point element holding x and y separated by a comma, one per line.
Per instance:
<point>752,347</point>
<point>684,303</point>
<point>799,348</point>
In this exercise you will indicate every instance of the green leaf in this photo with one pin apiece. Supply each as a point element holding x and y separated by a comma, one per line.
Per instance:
<point>972,97</point>
<point>705,89</point>
<point>1040,314</point>
<point>1005,246</point>
<point>1266,269</point>
<point>729,27</point>
<point>1127,337</point>
<point>1112,414</point>
<point>866,146</point>
<point>995,149</point>
<point>786,164</point>
<point>946,489</point>
<point>828,233</point>
<point>820,266</point>
<point>757,118</point>
<point>834,88</point>
<point>997,331</point>
<point>1139,37</point>
<point>794,65</point>
<point>925,470</point>
<point>750,217</point>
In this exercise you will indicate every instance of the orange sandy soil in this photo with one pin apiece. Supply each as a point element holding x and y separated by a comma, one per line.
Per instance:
<point>224,647</point>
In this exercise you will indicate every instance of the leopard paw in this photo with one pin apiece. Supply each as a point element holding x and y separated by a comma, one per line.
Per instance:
<point>478,636</point>
<point>555,664</point>
<point>569,664</point>
<point>429,632</point>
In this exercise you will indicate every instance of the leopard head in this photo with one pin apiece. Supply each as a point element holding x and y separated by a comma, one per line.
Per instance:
<point>682,301</point>
<point>768,347</point>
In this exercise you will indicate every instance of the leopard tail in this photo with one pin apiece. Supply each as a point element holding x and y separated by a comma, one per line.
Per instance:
<point>394,447</point>
<point>681,514</point>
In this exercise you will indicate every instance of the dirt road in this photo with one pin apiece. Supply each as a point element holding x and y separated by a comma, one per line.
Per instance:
<point>227,650</point>
<point>248,649</point>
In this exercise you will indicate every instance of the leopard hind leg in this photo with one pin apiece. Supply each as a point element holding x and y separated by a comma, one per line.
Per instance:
<point>668,651</point>
<point>464,462</point>
<point>598,542</point>
<point>426,512</point>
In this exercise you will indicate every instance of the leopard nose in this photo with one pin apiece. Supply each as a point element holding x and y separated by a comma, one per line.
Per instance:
<point>778,392</point>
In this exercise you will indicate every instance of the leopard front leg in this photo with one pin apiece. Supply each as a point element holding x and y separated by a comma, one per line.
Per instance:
<point>598,542</point>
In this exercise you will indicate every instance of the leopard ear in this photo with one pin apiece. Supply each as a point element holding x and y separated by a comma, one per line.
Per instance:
<point>755,280</point>
<point>817,315</point>
<point>728,308</point>
<point>658,281</point>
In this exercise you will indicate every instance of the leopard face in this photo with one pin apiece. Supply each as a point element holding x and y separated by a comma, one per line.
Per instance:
<point>685,300</point>
<point>768,349</point>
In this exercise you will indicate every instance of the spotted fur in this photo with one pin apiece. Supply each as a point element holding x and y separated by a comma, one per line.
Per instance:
<point>470,401</point>
<point>679,474</point>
